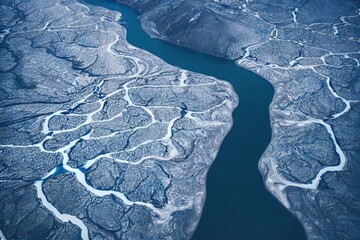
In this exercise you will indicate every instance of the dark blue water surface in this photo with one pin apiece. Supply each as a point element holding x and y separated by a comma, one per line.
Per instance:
<point>237,206</point>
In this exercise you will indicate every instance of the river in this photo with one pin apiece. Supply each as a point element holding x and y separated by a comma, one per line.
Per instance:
<point>238,206</point>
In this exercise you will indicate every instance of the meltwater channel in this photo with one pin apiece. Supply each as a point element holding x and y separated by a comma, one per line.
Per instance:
<point>237,206</point>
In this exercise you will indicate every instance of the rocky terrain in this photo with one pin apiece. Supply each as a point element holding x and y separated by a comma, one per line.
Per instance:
<point>310,52</point>
<point>99,139</point>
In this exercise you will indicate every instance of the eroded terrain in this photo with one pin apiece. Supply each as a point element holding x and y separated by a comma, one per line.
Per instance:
<point>99,139</point>
<point>309,51</point>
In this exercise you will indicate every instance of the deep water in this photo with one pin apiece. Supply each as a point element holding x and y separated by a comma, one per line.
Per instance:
<point>238,206</point>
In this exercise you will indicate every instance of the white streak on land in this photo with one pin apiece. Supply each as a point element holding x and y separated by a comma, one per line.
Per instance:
<point>345,101</point>
<point>3,33</point>
<point>294,15</point>
<point>2,236</point>
<point>195,17</point>
<point>183,77</point>
<point>57,214</point>
<point>339,151</point>
<point>276,184</point>
<point>101,193</point>
<point>343,20</point>
<point>335,30</point>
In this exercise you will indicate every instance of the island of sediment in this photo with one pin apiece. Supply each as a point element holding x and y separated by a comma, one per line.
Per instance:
<point>99,139</point>
<point>309,51</point>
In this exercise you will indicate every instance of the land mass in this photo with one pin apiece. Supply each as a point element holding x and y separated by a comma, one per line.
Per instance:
<point>99,139</point>
<point>309,51</point>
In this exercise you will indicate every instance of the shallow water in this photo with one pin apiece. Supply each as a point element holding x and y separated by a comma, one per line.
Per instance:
<point>238,206</point>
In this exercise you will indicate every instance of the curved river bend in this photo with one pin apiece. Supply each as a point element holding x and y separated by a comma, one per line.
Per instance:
<point>238,206</point>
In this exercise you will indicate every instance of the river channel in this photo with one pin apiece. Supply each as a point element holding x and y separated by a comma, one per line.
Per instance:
<point>237,206</point>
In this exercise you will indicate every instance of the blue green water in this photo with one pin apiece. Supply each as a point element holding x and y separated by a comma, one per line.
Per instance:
<point>237,206</point>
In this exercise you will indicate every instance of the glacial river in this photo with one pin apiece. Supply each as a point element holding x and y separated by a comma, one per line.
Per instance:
<point>238,206</point>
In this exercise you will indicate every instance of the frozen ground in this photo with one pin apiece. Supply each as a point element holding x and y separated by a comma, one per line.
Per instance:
<point>99,139</point>
<point>309,51</point>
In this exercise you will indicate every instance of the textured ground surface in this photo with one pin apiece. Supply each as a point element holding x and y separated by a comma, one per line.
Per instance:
<point>309,51</point>
<point>99,139</point>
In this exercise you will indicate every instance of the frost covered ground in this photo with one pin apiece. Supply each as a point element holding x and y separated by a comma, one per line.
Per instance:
<point>99,139</point>
<point>310,52</point>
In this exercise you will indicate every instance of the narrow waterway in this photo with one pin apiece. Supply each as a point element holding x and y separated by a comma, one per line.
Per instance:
<point>237,206</point>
